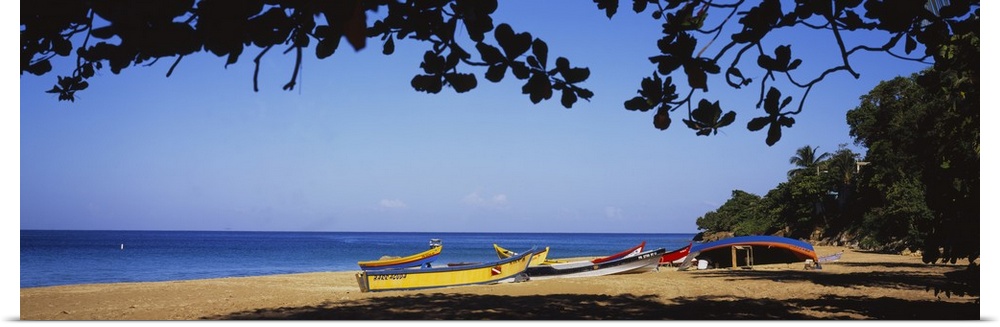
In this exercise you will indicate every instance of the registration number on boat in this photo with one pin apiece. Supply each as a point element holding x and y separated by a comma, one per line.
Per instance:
<point>389,277</point>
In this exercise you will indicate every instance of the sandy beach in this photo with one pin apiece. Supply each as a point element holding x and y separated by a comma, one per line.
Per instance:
<point>860,285</point>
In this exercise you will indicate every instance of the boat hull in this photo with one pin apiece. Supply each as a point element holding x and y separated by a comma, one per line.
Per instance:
<point>676,256</point>
<point>539,258</point>
<point>643,262</point>
<point>416,260</point>
<point>765,249</point>
<point>506,270</point>
<point>627,253</point>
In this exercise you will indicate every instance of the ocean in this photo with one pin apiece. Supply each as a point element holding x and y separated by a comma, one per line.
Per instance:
<point>66,257</point>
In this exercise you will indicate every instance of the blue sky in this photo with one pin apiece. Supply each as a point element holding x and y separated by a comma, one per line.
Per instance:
<point>355,148</point>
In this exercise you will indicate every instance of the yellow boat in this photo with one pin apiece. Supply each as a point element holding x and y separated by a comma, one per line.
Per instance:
<point>506,270</point>
<point>538,259</point>
<point>416,260</point>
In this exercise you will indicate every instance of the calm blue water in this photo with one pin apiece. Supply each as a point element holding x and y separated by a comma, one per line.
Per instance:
<point>51,258</point>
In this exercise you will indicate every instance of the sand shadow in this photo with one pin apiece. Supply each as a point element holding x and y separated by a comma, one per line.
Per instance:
<point>440,306</point>
<point>952,283</point>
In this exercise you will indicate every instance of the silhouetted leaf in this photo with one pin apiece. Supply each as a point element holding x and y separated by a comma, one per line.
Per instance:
<point>533,63</point>
<point>520,70</point>
<point>233,56</point>
<point>956,8</point>
<point>851,20</point>
<point>514,45</point>
<point>639,6</point>
<point>911,44</point>
<point>758,123</point>
<point>697,78</point>
<point>568,98</point>
<point>795,64</point>
<point>476,17</point>
<point>327,47</point>
<point>610,7</point>
<point>661,120</point>
<point>489,54</point>
<point>707,112</point>
<point>461,82</point>
<point>780,62</point>
<point>768,63</point>
<point>496,73</point>
<point>562,63</point>
<point>40,68</point>
<point>638,103</point>
<point>576,75</point>
<point>785,102</point>
<point>537,88</point>
<point>771,101</point>
<point>351,22</point>
<point>652,88</point>
<point>433,63</point>
<point>726,119</point>
<point>62,47</point>
<point>786,121</point>
<point>773,134</point>
<point>541,52</point>
<point>87,70</point>
<point>104,33</point>
<point>388,47</point>
<point>676,51</point>
<point>427,83</point>
<point>700,129</point>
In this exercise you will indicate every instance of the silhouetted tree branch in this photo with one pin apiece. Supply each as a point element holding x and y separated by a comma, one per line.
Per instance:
<point>926,23</point>
<point>132,33</point>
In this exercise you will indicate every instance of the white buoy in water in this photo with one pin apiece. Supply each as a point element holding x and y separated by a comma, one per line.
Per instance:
<point>123,246</point>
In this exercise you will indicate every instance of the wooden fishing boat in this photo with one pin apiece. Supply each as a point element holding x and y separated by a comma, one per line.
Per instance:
<point>539,258</point>
<point>415,260</point>
<point>676,256</point>
<point>744,252</point>
<point>627,253</point>
<point>642,262</point>
<point>506,270</point>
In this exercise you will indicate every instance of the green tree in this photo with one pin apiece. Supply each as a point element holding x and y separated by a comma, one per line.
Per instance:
<point>742,214</point>
<point>117,34</point>
<point>922,133</point>
<point>806,160</point>
<point>841,169</point>
<point>799,207</point>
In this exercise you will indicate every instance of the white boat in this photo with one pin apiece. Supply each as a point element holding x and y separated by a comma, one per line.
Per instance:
<point>643,262</point>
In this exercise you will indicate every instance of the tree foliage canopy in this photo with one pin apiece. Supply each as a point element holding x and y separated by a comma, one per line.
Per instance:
<point>919,187</point>
<point>922,134</point>
<point>117,34</point>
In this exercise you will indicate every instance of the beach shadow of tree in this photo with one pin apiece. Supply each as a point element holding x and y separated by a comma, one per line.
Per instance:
<point>605,307</point>
<point>951,283</point>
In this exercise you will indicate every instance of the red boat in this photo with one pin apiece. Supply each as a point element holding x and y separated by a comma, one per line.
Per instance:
<point>675,255</point>
<point>624,254</point>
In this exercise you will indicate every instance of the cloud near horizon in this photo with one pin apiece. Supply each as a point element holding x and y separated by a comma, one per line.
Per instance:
<point>474,199</point>
<point>394,203</point>
<point>613,212</point>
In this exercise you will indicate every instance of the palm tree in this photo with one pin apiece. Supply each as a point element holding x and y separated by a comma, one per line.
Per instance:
<point>844,164</point>
<point>805,159</point>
